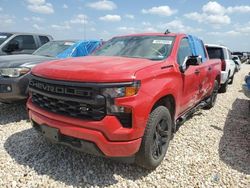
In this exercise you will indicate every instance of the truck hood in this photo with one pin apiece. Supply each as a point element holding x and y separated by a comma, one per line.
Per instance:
<point>16,61</point>
<point>92,69</point>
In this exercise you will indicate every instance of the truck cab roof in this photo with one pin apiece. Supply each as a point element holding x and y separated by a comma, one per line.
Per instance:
<point>25,33</point>
<point>153,34</point>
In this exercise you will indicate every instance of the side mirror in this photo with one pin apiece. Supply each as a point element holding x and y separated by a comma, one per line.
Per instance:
<point>190,61</point>
<point>12,46</point>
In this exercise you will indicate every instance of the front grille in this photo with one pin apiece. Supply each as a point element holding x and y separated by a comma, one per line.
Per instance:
<point>61,89</point>
<point>54,97</point>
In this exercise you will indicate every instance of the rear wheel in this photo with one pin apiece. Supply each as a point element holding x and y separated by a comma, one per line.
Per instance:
<point>212,99</point>
<point>223,87</point>
<point>155,141</point>
<point>232,79</point>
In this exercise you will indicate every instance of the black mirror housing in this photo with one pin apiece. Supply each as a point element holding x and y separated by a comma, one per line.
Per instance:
<point>12,46</point>
<point>190,61</point>
<point>193,61</point>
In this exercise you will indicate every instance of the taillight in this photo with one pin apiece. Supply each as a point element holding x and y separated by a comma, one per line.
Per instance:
<point>223,65</point>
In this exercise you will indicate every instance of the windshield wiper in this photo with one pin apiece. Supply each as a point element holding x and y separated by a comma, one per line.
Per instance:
<point>154,59</point>
<point>47,55</point>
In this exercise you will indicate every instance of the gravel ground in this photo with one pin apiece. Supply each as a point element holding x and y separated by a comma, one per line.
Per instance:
<point>212,149</point>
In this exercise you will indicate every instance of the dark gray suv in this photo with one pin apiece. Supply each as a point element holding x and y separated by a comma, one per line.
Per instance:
<point>21,43</point>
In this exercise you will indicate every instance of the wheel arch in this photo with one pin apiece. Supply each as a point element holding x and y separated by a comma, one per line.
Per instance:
<point>169,102</point>
<point>218,78</point>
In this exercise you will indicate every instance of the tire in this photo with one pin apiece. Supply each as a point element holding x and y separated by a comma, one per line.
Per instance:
<point>232,79</point>
<point>223,87</point>
<point>212,99</point>
<point>155,141</point>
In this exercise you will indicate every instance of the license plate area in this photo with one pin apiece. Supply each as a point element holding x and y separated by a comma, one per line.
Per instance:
<point>51,133</point>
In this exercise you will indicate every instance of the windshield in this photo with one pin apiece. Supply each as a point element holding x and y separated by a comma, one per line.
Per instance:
<point>4,37</point>
<point>148,47</point>
<point>53,48</point>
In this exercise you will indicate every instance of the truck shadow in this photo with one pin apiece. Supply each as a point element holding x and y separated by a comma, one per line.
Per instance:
<point>12,113</point>
<point>63,164</point>
<point>234,147</point>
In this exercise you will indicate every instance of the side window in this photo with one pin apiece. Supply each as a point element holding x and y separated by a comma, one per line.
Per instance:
<point>184,51</point>
<point>26,42</point>
<point>43,39</point>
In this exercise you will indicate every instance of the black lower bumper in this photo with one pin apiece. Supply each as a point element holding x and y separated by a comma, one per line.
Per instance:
<point>55,136</point>
<point>14,89</point>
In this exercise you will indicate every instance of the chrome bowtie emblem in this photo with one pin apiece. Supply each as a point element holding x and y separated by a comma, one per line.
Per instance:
<point>84,109</point>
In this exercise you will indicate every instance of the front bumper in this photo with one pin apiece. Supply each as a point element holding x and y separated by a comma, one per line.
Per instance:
<point>246,90</point>
<point>17,89</point>
<point>108,135</point>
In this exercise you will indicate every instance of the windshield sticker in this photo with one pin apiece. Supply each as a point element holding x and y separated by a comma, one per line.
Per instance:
<point>169,42</point>
<point>68,43</point>
<point>3,37</point>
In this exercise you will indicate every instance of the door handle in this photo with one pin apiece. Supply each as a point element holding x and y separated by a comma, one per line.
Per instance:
<point>197,71</point>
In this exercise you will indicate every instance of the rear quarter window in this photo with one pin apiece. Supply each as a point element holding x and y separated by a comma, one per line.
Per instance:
<point>43,39</point>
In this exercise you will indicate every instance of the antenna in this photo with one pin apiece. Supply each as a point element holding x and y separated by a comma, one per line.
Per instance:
<point>84,27</point>
<point>167,32</point>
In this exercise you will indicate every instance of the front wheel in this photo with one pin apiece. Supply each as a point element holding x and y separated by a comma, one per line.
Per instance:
<point>155,141</point>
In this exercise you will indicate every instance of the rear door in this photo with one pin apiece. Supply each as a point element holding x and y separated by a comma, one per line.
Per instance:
<point>190,78</point>
<point>205,77</point>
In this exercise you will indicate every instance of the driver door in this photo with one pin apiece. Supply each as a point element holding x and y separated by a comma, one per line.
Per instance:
<point>190,78</point>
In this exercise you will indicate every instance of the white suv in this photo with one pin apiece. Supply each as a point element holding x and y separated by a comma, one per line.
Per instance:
<point>228,67</point>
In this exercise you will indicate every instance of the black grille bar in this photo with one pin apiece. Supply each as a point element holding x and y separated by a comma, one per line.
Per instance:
<point>51,96</point>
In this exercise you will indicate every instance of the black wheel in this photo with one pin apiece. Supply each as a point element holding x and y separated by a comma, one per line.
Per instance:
<point>155,141</point>
<point>232,79</point>
<point>223,87</point>
<point>212,99</point>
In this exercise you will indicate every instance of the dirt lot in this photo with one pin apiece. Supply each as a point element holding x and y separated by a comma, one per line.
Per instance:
<point>210,149</point>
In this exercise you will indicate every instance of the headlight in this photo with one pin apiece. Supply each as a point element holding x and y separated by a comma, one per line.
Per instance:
<point>13,72</point>
<point>117,92</point>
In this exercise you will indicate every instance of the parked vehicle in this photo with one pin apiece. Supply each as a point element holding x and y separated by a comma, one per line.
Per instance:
<point>228,67</point>
<point>246,86</point>
<point>237,61</point>
<point>245,58</point>
<point>248,57</point>
<point>128,98</point>
<point>239,54</point>
<point>14,69</point>
<point>12,43</point>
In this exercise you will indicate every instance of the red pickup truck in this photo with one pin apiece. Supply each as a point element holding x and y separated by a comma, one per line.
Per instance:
<point>128,98</point>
